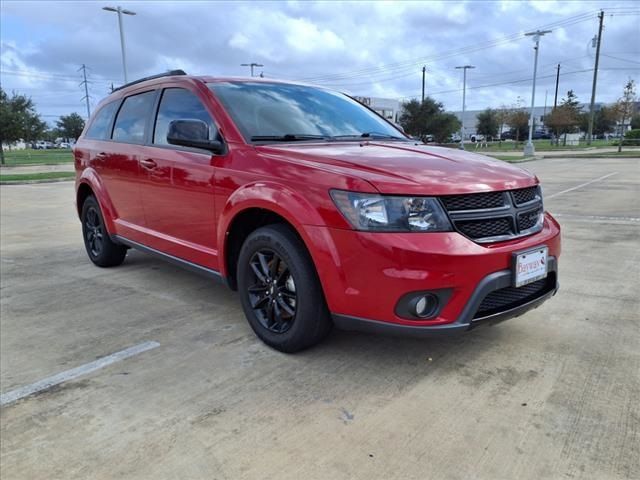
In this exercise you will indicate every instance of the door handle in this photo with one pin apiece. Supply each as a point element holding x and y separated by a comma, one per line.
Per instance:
<point>148,163</point>
<point>101,156</point>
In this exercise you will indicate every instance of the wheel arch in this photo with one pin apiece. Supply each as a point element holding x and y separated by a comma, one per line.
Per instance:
<point>89,183</point>
<point>256,206</point>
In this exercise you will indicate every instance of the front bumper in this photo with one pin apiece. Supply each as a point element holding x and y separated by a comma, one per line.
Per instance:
<point>468,319</point>
<point>365,274</point>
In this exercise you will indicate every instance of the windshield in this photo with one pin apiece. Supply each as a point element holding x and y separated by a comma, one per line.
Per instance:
<point>283,112</point>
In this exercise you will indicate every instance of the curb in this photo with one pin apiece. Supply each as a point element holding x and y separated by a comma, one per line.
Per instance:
<point>30,182</point>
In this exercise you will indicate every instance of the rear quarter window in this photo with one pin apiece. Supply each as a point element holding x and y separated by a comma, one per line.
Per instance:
<point>99,128</point>
<point>131,121</point>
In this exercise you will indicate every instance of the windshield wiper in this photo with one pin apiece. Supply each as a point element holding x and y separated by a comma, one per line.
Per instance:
<point>288,137</point>
<point>368,135</point>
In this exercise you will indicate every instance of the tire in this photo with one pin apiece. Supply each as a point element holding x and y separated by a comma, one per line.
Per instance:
<point>280,291</point>
<point>102,251</point>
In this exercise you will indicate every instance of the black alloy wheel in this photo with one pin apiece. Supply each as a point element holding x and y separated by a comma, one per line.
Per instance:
<point>102,250</point>
<point>273,292</point>
<point>94,233</point>
<point>280,291</point>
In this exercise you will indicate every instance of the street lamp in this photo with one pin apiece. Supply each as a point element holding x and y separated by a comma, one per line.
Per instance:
<point>121,11</point>
<point>252,65</point>
<point>464,96</point>
<point>529,148</point>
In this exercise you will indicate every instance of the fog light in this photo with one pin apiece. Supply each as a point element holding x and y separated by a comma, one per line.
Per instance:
<point>425,306</point>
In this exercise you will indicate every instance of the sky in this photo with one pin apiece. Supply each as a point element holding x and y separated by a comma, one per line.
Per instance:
<point>362,48</point>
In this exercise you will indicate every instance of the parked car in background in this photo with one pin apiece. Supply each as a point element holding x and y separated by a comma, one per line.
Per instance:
<point>540,135</point>
<point>63,145</point>
<point>43,145</point>
<point>508,135</point>
<point>316,209</point>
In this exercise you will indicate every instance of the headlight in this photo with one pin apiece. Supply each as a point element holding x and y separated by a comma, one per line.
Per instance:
<point>374,212</point>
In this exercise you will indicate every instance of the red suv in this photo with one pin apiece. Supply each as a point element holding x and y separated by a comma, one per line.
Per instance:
<point>316,209</point>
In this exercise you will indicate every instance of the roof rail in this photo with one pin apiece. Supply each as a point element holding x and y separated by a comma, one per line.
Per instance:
<point>170,73</point>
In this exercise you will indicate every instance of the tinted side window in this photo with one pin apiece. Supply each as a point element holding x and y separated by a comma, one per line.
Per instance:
<point>99,128</point>
<point>132,118</point>
<point>180,104</point>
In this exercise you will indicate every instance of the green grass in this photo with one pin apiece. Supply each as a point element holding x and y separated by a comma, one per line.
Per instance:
<point>540,146</point>
<point>623,154</point>
<point>43,176</point>
<point>37,157</point>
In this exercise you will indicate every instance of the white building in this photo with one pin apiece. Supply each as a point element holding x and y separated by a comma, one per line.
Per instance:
<point>389,108</point>
<point>19,145</point>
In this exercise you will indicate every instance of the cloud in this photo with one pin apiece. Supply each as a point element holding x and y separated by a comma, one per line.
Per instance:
<point>366,48</point>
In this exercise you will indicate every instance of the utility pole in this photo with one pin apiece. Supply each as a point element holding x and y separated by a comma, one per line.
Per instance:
<point>529,148</point>
<point>121,11</point>
<point>595,78</point>
<point>252,65</point>
<point>86,88</point>
<point>464,97</point>
<point>424,71</point>
<point>555,99</point>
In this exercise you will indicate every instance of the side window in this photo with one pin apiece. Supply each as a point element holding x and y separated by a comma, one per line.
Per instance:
<point>99,128</point>
<point>180,104</point>
<point>132,118</point>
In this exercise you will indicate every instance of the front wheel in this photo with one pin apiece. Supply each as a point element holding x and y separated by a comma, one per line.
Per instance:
<point>280,291</point>
<point>102,251</point>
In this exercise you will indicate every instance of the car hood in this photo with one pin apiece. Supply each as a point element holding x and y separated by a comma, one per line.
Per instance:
<point>406,168</point>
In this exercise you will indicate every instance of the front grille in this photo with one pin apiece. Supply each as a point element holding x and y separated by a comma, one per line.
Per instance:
<point>475,201</point>
<point>485,228</point>
<point>512,297</point>
<point>524,195</point>
<point>529,219</point>
<point>496,216</point>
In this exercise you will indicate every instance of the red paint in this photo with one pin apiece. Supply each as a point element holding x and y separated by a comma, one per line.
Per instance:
<point>183,203</point>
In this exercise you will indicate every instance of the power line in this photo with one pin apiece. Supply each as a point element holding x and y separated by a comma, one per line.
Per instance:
<point>620,59</point>
<point>498,84</point>
<point>46,76</point>
<point>463,50</point>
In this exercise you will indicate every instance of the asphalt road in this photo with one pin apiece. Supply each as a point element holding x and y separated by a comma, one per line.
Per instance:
<point>554,394</point>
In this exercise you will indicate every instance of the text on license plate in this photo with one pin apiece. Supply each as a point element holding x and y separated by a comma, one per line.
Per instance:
<point>530,266</point>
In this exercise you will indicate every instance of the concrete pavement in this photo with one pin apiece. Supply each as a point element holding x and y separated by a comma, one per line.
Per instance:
<point>550,395</point>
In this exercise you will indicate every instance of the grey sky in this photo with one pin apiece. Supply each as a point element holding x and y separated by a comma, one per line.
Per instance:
<point>365,48</point>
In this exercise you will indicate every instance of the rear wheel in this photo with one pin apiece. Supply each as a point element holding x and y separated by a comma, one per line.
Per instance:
<point>281,295</point>
<point>102,251</point>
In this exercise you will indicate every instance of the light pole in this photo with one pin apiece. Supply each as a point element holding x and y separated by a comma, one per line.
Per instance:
<point>252,65</point>
<point>464,97</point>
<point>529,148</point>
<point>121,11</point>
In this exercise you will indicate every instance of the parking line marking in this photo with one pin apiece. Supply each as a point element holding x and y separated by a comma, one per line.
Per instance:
<point>601,218</point>
<point>581,185</point>
<point>57,379</point>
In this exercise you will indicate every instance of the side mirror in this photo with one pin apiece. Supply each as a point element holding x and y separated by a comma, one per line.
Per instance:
<point>192,133</point>
<point>399,127</point>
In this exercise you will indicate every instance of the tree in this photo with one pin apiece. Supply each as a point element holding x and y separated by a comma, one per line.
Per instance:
<point>502,115</point>
<point>603,121</point>
<point>70,126</point>
<point>624,107</point>
<point>518,120</point>
<point>566,117</point>
<point>428,118</point>
<point>18,120</point>
<point>488,123</point>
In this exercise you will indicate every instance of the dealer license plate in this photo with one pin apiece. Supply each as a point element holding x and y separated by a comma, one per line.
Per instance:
<point>530,266</point>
